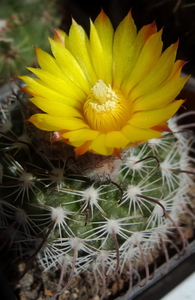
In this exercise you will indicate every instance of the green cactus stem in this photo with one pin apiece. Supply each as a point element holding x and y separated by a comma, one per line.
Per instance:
<point>97,215</point>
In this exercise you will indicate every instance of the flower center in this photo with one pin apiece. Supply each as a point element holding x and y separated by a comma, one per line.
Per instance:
<point>106,109</point>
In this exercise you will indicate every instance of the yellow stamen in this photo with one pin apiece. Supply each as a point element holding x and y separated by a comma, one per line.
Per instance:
<point>102,92</point>
<point>105,109</point>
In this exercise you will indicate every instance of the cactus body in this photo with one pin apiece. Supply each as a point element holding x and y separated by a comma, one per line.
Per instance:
<point>100,215</point>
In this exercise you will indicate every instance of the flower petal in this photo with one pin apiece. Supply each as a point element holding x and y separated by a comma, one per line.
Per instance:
<point>161,97</point>
<point>124,49</point>
<point>135,134</point>
<point>101,39</point>
<point>146,60</point>
<point>60,36</point>
<point>176,72</point>
<point>37,87</point>
<point>78,43</point>
<point>55,108</point>
<point>159,73</point>
<point>52,123</point>
<point>69,66</point>
<point>47,62</point>
<point>116,139</point>
<point>98,145</point>
<point>148,119</point>
<point>142,36</point>
<point>64,87</point>
<point>82,149</point>
<point>78,137</point>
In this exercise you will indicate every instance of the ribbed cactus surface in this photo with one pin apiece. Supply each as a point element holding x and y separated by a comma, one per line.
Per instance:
<point>94,214</point>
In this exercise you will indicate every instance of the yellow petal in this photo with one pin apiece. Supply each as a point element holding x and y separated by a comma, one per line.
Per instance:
<point>52,123</point>
<point>63,87</point>
<point>116,139</point>
<point>148,119</point>
<point>38,88</point>
<point>135,134</point>
<point>27,89</point>
<point>97,54</point>
<point>159,73</point>
<point>124,50</point>
<point>176,72</point>
<point>144,34</point>
<point>55,108</point>
<point>146,60</point>
<point>78,137</point>
<point>101,62</point>
<point>105,33</point>
<point>142,37</point>
<point>60,36</point>
<point>82,149</point>
<point>47,62</point>
<point>78,43</point>
<point>98,145</point>
<point>161,97</point>
<point>39,122</point>
<point>69,66</point>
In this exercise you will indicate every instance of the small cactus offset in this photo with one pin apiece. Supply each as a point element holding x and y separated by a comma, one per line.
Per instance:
<point>104,211</point>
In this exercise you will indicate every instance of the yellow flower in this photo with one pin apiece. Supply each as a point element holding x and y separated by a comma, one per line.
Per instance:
<point>108,91</point>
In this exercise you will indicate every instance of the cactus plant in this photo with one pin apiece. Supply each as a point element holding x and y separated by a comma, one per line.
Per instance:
<point>94,213</point>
